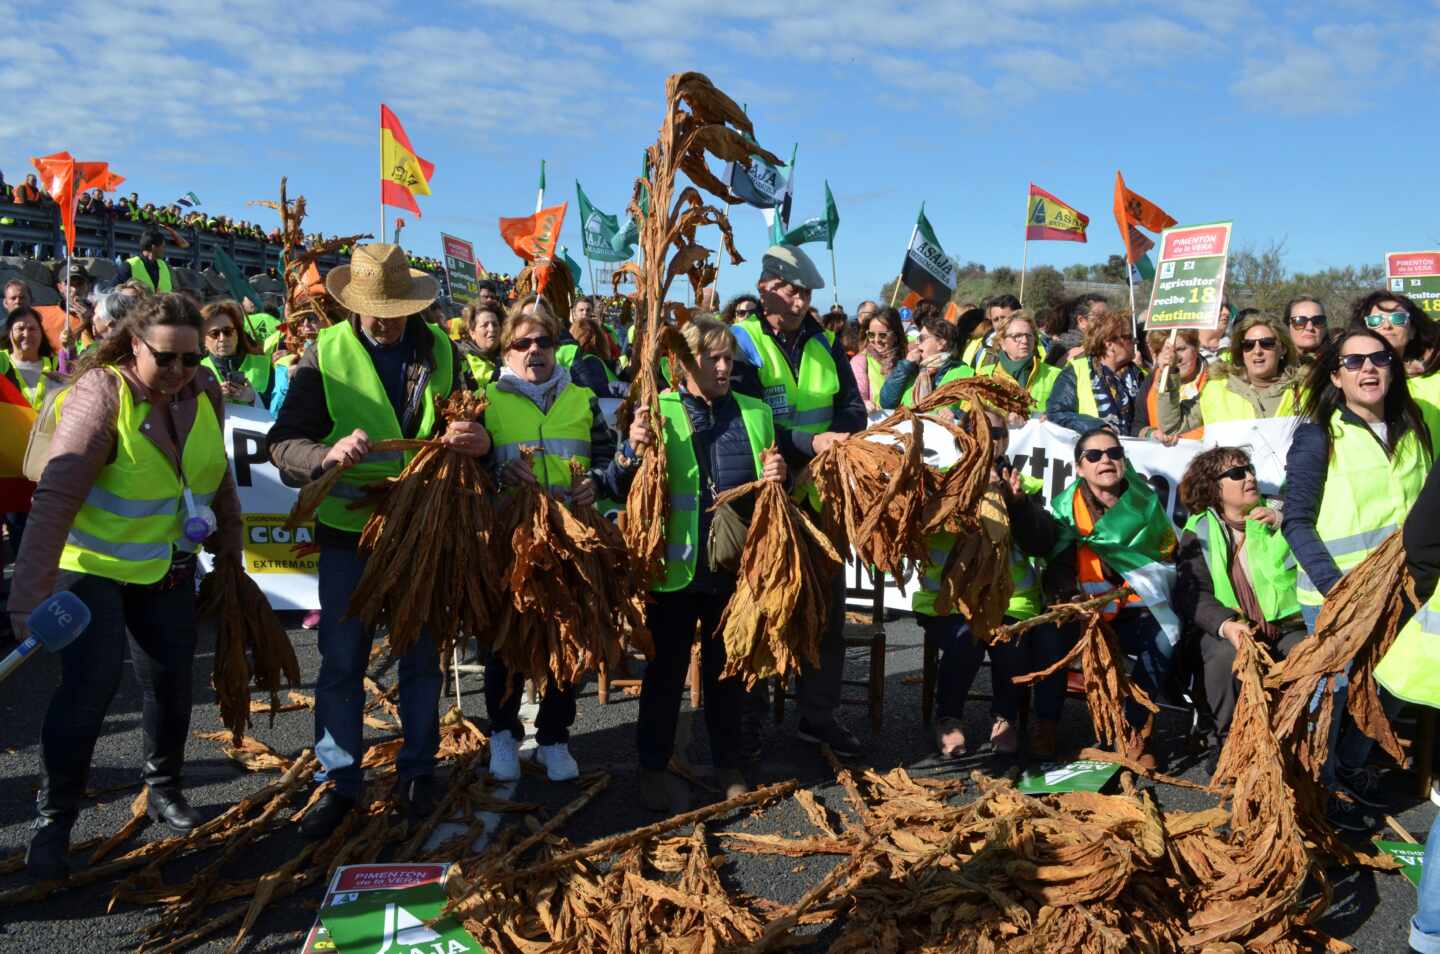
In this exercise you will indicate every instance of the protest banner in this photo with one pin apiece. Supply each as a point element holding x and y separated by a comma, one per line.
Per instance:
<point>351,883</point>
<point>1085,775</point>
<point>277,560</point>
<point>1417,276</point>
<point>461,269</point>
<point>1190,278</point>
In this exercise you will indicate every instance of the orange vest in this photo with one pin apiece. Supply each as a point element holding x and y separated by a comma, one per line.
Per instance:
<point>1152,406</point>
<point>1089,569</point>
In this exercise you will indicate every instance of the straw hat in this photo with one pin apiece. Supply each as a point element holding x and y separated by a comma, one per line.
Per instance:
<point>378,282</point>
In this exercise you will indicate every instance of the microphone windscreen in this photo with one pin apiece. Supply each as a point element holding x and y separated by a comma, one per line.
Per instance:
<point>56,622</point>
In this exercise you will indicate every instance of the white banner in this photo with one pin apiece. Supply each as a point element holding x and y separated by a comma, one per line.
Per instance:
<point>1046,452</point>
<point>274,557</point>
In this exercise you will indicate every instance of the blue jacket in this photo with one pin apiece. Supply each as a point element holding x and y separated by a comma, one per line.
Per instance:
<point>722,449</point>
<point>1063,401</point>
<point>797,446</point>
<point>902,376</point>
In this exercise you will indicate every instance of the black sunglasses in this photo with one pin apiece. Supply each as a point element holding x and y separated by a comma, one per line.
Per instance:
<point>1300,321</point>
<point>163,359</point>
<point>545,342</point>
<point>1238,472</point>
<point>998,433</point>
<point>1250,344</point>
<point>1095,454</point>
<point>1354,362</point>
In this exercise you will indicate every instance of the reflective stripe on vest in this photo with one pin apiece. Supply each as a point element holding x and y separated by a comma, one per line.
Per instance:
<point>256,368</point>
<point>682,532</point>
<point>141,274</point>
<point>133,515</point>
<point>557,436</point>
<point>1084,388</point>
<point>355,398</point>
<point>1218,403</point>
<point>803,404</point>
<point>1268,559</point>
<point>1367,495</point>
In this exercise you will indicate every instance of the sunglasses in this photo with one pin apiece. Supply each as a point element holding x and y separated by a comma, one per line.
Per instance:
<point>1300,321</point>
<point>1238,472</point>
<point>543,342</point>
<point>164,359</point>
<point>744,312</point>
<point>1265,344</point>
<point>1095,454</point>
<point>998,433</point>
<point>872,335</point>
<point>220,333</point>
<point>1398,319</point>
<point>1354,362</point>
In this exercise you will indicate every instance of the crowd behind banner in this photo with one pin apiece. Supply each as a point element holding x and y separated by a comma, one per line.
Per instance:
<point>1230,493</point>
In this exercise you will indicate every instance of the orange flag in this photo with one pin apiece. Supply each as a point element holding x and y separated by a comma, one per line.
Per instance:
<point>535,236</point>
<point>1131,210</point>
<point>64,179</point>
<point>403,174</point>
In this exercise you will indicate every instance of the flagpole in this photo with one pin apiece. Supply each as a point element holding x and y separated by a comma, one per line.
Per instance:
<point>589,261</point>
<point>380,235</point>
<point>1130,277</point>
<point>894,295</point>
<point>540,195</point>
<point>834,281</point>
<point>1024,265</point>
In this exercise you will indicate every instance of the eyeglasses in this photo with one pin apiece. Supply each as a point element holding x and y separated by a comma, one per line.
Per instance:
<point>744,312</point>
<point>1095,454</point>
<point>1022,336</point>
<point>1266,343</point>
<point>1397,319</point>
<point>220,333</point>
<point>164,359</point>
<point>1354,362</point>
<point>543,342</point>
<point>1300,321</point>
<point>1238,472</point>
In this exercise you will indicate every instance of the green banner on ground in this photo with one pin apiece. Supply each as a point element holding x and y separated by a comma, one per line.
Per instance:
<point>1085,775</point>
<point>1410,855</point>
<point>395,922</point>
<point>1190,278</point>
<point>1417,276</point>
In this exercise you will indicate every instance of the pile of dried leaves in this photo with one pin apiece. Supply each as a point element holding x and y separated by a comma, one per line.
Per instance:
<point>251,647</point>
<point>431,547</point>
<point>700,121</point>
<point>776,616</point>
<point>571,597</point>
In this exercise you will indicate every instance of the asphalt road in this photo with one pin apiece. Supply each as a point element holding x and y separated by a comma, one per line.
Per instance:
<point>1369,910</point>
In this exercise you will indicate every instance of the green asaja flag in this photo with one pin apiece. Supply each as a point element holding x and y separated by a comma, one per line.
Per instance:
<point>818,229</point>
<point>927,269</point>
<point>599,232</point>
<point>576,273</point>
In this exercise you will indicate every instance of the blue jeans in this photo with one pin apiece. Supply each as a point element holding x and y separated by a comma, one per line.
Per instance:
<point>340,688</point>
<point>1425,925</point>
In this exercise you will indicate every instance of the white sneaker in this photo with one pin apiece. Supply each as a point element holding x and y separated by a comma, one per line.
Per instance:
<point>504,756</point>
<point>1435,793</point>
<point>559,763</point>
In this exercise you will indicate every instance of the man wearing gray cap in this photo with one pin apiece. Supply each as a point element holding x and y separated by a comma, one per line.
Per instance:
<point>785,358</point>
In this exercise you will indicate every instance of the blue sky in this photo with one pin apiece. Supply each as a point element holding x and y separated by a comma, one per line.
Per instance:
<point>1311,124</point>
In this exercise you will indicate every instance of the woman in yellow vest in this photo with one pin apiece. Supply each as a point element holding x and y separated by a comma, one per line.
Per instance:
<point>245,372</point>
<point>1356,464</point>
<point>1412,333</point>
<point>1110,528</point>
<point>137,481</point>
<point>480,344</point>
<point>1235,577</point>
<point>1016,357</point>
<point>1185,361</point>
<point>534,404</point>
<point>936,358</point>
<point>31,357</point>
<point>714,440</point>
<point>1261,379</point>
<point>1102,387</point>
<point>884,346</point>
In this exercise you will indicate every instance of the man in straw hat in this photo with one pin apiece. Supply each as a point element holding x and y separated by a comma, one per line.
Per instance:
<point>374,377</point>
<point>785,358</point>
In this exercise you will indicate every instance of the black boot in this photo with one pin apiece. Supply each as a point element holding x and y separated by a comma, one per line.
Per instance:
<point>48,857</point>
<point>168,806</point>
<point>418,797</point>
<point>326,815</point>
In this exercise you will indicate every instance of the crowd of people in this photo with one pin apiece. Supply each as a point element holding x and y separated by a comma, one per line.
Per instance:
<point>148,375</point>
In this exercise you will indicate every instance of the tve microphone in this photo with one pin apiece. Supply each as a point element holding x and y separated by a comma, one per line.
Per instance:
<point>54,624</point>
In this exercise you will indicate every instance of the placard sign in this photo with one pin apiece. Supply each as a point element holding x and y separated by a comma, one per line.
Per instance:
<point>1190,278</point>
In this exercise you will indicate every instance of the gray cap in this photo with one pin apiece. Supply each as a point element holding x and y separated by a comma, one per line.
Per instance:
<point>788,263</point>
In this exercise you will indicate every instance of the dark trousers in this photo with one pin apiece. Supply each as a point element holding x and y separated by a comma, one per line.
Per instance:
<point>1221,686</point>
<point>820,686</point>
<point>161,624</point>
<point>503,692</point>
<point>1034,650</point>
<point>960,657</point>
<point>672,620</point>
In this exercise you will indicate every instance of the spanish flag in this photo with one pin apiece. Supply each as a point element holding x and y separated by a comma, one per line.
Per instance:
<point>1131,210</point>
<point>16,417</point>
<point>1047,218</point>
<point>403,174</point>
